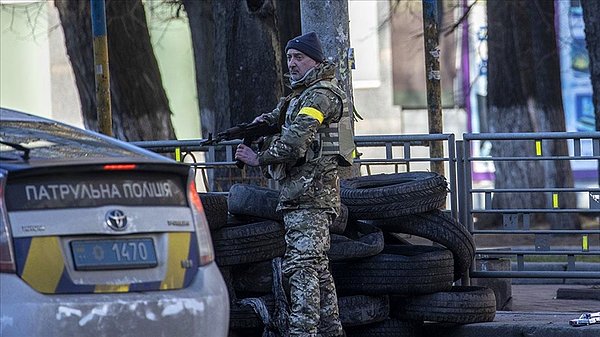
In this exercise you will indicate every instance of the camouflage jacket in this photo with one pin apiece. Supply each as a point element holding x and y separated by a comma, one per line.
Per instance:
<point>310,180</point>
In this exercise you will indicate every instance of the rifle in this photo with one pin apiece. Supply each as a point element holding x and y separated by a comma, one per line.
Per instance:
<point>248,132</point>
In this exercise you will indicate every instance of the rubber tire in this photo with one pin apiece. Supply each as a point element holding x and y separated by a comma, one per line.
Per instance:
<point>354,310</point>
<point>259,241</point>
<point>462,305</point>
<point>339,224</point>
<point>215,209</point>
<point>388,328</point>
<point>253,200</point>
<point>254,277</point>
<point>244,316</point>
<point>360,240</point>
<point>438,227</point>
<point>362,309</point>
<point>390,195</point>
<point>402,269</point>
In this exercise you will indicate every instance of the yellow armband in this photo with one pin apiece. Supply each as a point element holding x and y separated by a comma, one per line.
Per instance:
<point>312,112</point>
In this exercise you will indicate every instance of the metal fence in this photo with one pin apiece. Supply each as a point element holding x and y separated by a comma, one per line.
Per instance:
<point>471,197</point>
<point>565,237</point>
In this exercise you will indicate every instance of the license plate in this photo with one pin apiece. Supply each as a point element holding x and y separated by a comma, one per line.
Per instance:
<point>113,254</point>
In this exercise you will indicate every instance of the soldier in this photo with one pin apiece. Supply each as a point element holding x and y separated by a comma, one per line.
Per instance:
<point>315,138</point>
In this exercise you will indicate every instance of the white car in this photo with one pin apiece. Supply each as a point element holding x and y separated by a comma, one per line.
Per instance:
<point>586,319</point>
<point>101,238</point>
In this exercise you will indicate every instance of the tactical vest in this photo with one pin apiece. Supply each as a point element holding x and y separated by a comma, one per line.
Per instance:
<point>336,137</point>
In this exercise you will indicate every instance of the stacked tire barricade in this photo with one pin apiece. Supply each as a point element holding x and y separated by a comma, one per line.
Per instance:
<point>387,285</point>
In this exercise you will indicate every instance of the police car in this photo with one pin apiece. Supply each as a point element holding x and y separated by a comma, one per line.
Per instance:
<point>586,319</point>
<point>101,238</point>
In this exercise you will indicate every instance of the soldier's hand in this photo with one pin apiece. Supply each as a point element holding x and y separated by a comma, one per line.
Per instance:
<point>246,155</point>
<point>259,119</point>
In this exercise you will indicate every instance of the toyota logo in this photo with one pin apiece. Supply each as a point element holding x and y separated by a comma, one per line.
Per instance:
<point>116,220</point>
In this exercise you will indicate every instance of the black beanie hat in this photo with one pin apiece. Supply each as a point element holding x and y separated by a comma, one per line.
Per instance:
<point>309,44</point>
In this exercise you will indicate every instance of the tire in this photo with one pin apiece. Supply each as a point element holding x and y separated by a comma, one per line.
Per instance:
<point>463,305</point>
<point>215,209</point>
<point>249,243</point>
<point>338,226</point>
<point>360,240</point>
<point>255,277</point>
<point>388,328</point>
<point>354,311</point>
<point>438,227</point>
<point>389,195</point>
<point>397,270</point>
<point>256,201</point>
<point>363,309</point>
<point>243,315</point>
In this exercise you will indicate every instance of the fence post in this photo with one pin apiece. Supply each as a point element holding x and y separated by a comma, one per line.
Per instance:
<point>98,14</point>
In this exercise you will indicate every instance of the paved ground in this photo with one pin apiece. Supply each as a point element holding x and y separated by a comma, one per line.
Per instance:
<point>542,297</point>
<point>516,324</point>
<point>536,313</point>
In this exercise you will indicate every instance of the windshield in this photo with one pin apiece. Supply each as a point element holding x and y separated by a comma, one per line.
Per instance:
<point>51,141</point>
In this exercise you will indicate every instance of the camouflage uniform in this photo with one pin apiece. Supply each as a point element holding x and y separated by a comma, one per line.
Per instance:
<point>309,199</point>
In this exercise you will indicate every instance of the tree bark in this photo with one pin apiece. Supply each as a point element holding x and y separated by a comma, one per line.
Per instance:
<point>547,105</point>
<point>524,96</point>
<point>288,23</point>
<point>329,19</point>
<point>238,60</point>
<point>591,18</point>
<point>140,107</point>
<point>237,54</point>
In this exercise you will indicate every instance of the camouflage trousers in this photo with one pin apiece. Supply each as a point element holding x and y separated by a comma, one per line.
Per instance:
<point>313,300</point>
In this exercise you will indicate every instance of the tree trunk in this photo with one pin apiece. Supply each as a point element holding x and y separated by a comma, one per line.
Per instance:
<point>329,19</point>
<point>288,23</point>
<point>507,102</point>
<point>239,75</point>
<point>238,60</point>
<point>547,105</point>
<point>591,18</point>
<point>140,107</point>
<point>77,26</point>
<point>524,96</point>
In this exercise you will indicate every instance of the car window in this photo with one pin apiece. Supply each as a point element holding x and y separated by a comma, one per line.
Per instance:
<point>49,141</point>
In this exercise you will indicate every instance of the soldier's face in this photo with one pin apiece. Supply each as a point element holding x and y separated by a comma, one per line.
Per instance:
<point>298,63</point>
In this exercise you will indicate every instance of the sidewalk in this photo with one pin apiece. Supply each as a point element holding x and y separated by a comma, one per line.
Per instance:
<point>542,298</point>
<point>516,324</point>
<point>536,313</point>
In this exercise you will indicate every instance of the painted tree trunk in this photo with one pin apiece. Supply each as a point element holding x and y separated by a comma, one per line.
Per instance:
<point>591,18</point>
<point>239,75</point>
<point>524,95</point>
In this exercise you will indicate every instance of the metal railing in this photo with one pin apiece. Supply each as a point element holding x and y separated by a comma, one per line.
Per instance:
<point>519,221</point>
<point>466,202</point>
